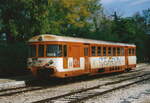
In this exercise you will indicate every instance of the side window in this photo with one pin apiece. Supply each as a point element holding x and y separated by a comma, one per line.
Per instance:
<point>132,51</point>
<point>109,51</point>
<point>99,51</point>
<point>93,51</point>
<point>122,51</point>
<point>118,51</point>
<point>129,51</point>
<point>41,51</point>
<point>104,51</point>
<point>114,51</point>
<point>65,50</point>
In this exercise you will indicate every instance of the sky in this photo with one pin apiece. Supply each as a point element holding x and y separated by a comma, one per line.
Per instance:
<point>125,8</point>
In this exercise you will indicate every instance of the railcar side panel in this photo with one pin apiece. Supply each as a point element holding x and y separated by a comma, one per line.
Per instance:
<point>132,60</point>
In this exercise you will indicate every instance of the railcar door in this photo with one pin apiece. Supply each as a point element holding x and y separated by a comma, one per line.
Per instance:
<point>126,56</point>
<point>86,56</point>
<point>75,49</point>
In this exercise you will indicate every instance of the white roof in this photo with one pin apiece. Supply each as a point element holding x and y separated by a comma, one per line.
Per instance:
<point>49,37</point>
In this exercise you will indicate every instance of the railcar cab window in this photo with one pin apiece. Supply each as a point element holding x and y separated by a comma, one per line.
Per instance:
<point>93,51</point>
<point>54,50</point>
<point>32,51</point>
<point>41,51</point>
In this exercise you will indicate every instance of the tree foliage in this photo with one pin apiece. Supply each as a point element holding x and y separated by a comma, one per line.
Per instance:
<point>25,18</point>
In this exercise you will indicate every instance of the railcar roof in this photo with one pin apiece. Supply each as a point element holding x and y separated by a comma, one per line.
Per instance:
<point>49,37</point>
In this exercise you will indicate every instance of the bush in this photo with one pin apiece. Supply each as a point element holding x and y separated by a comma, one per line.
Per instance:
<point>13,59</point>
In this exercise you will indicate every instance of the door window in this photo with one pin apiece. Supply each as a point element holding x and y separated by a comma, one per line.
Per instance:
<point>85,51</point>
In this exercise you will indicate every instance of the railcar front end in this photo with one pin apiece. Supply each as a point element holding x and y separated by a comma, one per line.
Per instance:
<point>45,59</point>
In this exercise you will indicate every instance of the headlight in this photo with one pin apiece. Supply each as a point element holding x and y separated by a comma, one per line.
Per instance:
<point>51,62</point>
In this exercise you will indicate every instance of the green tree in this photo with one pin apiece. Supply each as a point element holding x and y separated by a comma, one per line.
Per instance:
<point>25,18</point>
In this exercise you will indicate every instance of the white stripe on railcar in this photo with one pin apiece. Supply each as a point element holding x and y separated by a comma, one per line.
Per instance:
<point>101,62</point>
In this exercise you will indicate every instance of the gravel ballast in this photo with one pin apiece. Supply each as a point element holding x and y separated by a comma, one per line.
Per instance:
<point>32,96</point>
<point>137,93</point>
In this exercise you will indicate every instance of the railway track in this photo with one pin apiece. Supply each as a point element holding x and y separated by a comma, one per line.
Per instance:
<point>87,93</point>
<point>13,91</point>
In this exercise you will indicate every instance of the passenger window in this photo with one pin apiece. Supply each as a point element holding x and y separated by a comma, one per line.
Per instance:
<point>132,51</point>
<point>109,51</point>
<point>118,51</point>
<point>93,51</point>
<point>129,51</point>
<point>104,51</point>
<point>122,51</point>
<point>99,51</point>
<point>41,51</point>
<point>114,51</point>
<point>65,51</point>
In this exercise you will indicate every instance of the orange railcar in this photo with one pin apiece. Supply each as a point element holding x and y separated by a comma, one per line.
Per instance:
<point>60,56</point>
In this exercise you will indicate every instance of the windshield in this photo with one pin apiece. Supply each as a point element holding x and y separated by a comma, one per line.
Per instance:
<point>32,50</point>
<point>54,50</point>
